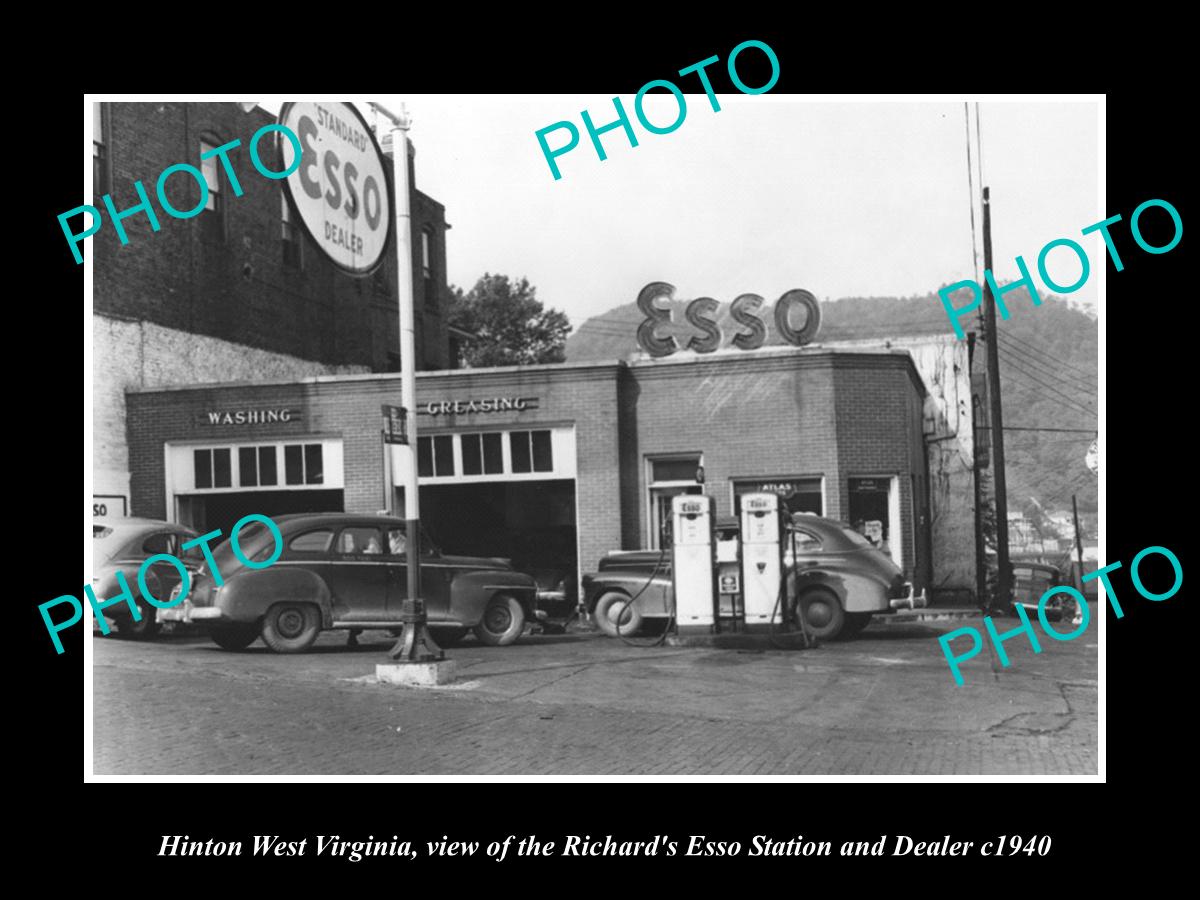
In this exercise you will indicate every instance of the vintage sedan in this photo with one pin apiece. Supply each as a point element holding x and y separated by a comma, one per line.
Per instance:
<point>344,571</point>
<point>837,576</point>
<point>122,545</point>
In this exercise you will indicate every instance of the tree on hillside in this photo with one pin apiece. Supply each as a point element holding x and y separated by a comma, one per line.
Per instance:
<point>510,325</point>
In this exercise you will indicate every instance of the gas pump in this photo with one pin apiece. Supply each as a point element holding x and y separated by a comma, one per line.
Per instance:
<point>692,562</point>
<point>762,536</point>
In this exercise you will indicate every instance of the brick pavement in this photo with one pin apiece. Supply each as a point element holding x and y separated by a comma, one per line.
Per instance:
<point>884,704</point>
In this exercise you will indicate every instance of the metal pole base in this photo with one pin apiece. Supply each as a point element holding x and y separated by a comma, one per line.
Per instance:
<point>416,644</point>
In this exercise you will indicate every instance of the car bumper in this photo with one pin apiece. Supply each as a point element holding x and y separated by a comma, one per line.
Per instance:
<point>910,599</point>
<point>192,615</point>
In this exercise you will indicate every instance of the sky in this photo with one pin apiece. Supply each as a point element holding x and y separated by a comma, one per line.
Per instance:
<point>842,197</point>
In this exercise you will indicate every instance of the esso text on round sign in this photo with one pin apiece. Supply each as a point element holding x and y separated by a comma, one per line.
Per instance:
<point>340,189</point>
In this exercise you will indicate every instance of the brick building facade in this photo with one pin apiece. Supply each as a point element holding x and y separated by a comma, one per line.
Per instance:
<point>553,466</point>
<point>237,292</point>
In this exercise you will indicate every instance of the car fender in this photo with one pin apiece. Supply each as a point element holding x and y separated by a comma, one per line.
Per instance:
<point>856,592</point>
<point>471,591</point>
<point>247,596</point>
<point>107,587</point>
<point>655,597</point>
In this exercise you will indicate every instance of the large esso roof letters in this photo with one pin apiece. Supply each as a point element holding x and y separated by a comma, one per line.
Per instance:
<point>340,188</point>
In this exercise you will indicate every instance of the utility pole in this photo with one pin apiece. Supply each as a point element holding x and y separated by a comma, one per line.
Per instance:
<point>1004,576</point>
<point>980,548</point>
<point>1078,545</point>
<point>415,645</point>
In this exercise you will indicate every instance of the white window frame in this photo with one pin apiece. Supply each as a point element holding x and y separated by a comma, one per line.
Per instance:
<point>180,477</point>
<point>652,527</point>
<point>562,456</point>
<point>743,479</point>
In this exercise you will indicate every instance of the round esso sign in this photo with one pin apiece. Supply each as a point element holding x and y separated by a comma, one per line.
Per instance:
<point>340,188</point>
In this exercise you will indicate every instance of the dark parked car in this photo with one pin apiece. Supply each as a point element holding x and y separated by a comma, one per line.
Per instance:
<point>838,577</point>
<point>344,571</point>
<point>122,545</point>
<point>1031,580</point>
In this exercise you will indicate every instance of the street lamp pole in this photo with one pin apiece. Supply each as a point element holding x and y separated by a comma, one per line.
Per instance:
<point>415,644</point>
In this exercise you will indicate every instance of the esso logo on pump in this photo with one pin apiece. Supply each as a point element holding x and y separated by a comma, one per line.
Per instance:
<point>340,189</point>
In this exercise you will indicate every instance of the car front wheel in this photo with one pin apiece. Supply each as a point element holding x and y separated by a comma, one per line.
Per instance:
<point>823,614</point>
<point>502,623</point>
<point>616,616</point>
<point>291,627</point>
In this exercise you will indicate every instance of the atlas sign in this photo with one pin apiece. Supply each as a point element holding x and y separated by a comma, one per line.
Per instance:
<point>744,310</point>
<point>340,188</point>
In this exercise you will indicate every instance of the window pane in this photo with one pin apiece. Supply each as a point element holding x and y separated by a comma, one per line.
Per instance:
<point>312,541</point>
<point>314,466</point>
<point>157,543</point>
<point>397,541</point>
<point>443,451</point>
<point>542,460</point>
<point>360,539</point>
<point>519,443</point>
<point>266,466</point>
<point>426,252</point>
<point>424,457</point>
<point>202,459</point>
<point>211,177</point>
<point>221,468</point>
<point>97,125</point>
<point>293,464</point>
<point>248,466</point>
<point>493,455</point>
<point>675,469</point>
<point>472,455</point>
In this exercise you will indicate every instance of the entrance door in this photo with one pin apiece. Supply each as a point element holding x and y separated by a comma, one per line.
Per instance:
<point>875,512</point>
<point>667,477</point>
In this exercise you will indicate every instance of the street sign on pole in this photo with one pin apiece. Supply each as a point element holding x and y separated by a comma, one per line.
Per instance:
<point>395,424</point>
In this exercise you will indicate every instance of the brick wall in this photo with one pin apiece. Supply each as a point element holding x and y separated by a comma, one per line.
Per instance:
<point>236,287</point>
<point>349,408</point>
<point>128,356</point>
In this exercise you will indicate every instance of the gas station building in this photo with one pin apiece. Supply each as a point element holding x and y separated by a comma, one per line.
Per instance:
<point>554,465</point>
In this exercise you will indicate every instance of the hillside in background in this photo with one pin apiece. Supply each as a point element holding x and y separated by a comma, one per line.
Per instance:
<point>1048,370</point>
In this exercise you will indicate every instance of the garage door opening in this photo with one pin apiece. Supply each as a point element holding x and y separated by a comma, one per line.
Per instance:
<point>530,522</point>
<point>206,512</point>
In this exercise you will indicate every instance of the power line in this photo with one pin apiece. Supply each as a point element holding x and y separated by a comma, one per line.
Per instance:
<point>1070,402</point>
<point>1032,381</point>
<point>1031,348</point>
<point>1032,428</point>
<point>1071,383</point>
<point>1086,390</point>
<point>978,142</point>
<point>971,190</point>
<point>1040,362</point>
<point>1024,366</point>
